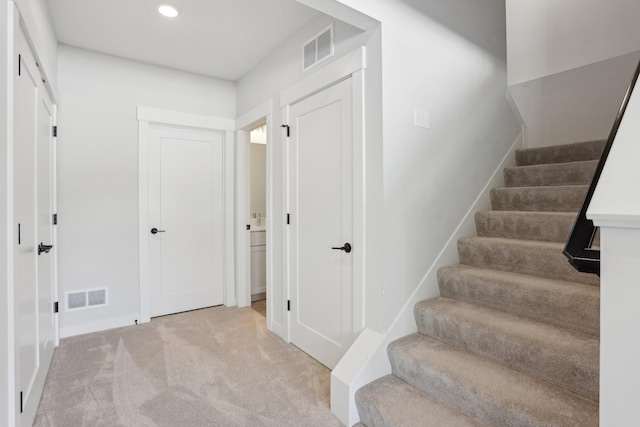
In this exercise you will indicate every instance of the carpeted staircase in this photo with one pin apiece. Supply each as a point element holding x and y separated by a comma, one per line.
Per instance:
<point>513,339</point>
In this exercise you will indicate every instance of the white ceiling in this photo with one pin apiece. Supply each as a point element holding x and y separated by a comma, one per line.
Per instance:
<point>217,38</point>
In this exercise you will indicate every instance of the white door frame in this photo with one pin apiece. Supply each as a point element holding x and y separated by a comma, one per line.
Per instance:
<point>54,195</point>
<point>351,65</point>
<point>262,113</point>
<point>147,116</point>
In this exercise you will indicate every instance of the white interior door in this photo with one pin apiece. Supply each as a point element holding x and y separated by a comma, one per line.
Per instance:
<point>34,292</point>
<point>186,209</point>
<point>321,218</point>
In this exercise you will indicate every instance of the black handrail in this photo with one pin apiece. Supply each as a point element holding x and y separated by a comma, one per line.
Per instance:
<point>578,248</point>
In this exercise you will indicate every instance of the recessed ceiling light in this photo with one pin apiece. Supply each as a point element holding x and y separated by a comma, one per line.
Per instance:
<point>168,10</point>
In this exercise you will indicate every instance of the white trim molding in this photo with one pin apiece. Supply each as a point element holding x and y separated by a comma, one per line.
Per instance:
<point>341,68</point>
<point>102,325</point>
<point>147,116</point>
<point>342,12</point>
<point>258,115</point>
<point>255,116</point>
<point>8,19</point>
<point>230,293</point>
<point>243,192</point>
<point>189,120</point>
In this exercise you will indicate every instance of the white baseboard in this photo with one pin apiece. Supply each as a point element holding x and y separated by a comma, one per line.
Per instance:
<point>367,358</point>
<point>277,328</point>
<point>258,294</point>
<point>103,325</point>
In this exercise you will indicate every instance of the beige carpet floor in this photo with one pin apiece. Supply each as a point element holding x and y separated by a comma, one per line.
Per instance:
<point>210,367</point>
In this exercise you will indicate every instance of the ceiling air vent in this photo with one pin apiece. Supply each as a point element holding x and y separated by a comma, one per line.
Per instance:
<point>318,49</point>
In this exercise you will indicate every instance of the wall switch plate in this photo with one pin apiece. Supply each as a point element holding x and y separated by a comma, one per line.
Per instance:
<point>421,118</point>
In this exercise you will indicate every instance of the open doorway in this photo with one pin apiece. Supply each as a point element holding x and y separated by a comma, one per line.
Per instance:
<point>258,221</point>
<point>255,219</point>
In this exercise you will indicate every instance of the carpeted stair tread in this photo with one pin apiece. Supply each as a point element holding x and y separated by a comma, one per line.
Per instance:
<point>541,259</point>
<point>566,304</point>
<point>562,198</point>
<point>542,226</point>
<point>390,401</point>
<point>559,356</point>
<point>577,152</point>
<point>484,390</point>
<point>513,338</point>
<point>574,173</point>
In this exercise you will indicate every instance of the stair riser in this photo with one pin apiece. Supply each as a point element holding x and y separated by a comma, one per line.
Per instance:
<point>578,173</point>
<point>513,340</point>
<point>459,397</point>
<point>538,199</point>
<point>530,355</point>
<point>551,227</point>
<point>506,255</point>
<point>462,383</point>
<point>569,306</point>
<point>579,152</point>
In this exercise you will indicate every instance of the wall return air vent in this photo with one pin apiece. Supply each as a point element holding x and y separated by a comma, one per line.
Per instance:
<point>90,298</point>
<point>318,49</point>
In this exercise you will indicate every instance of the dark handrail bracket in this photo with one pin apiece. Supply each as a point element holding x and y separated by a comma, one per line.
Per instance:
<point>578,247</point>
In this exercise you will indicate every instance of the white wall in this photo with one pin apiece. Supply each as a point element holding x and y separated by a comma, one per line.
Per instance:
<point>98,171</point>
<point>277,71</point>
<point>575,105</point>
<point>283,66</point>
<point>545,37</point>
<point>448,57</point>
<point>258,203</point>
<point>569,64</point>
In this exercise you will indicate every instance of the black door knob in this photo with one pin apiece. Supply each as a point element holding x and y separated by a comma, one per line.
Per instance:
<point>346,248</point>
<point>156,231</point>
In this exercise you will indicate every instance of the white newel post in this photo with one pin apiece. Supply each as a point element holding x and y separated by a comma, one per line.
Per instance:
<point>619,323</point>
<point>615,208</point>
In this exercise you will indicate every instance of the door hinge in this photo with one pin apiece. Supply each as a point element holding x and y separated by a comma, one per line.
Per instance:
<point>288,305</point>
<point>55,131</point>
<point>288,130</point>
<point>21,403</point>
<point>248,227</point>
<point>19,64</point>
<point>288,219</point>
<point>55,219</point>
<point>55,307</point>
